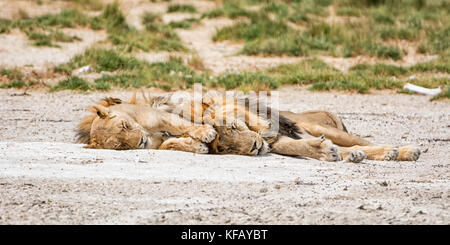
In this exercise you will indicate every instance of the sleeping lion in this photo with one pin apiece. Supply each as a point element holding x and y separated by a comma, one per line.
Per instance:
<point>221,126</point>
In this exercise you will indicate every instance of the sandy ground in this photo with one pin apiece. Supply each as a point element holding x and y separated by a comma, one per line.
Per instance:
<point>45,178</point>
<point>11,8</point>
<point>16,51</point>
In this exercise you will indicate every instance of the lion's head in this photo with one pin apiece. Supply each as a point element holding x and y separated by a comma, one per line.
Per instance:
<point>115,129</point>
<point>236,138</point>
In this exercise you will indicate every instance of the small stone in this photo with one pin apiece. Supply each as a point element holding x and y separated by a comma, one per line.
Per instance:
<point>384,184</point>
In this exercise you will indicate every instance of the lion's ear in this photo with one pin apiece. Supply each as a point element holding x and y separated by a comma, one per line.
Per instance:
<point>145,97</point>
<point>132,100</point>
<point>207,101</point>
<point>101,111</point>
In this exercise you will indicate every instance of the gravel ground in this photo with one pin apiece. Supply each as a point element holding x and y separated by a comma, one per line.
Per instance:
<point>45,178</point>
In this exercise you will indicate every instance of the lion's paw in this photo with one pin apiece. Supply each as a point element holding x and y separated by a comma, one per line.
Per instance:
<point>356,156</point>
<point>201,148</point>
<point>328,151</point>
<point>408,153</point>
<point>205,133</point>
<point>391,154</point>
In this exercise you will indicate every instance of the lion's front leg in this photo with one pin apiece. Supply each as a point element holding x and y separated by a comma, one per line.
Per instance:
<point>177,126</point>
<point>184,144</point>
<point>203,132</point>
<point>317,148</point>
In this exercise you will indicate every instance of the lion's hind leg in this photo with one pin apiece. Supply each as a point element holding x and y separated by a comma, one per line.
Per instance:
<point>184,144</point>
<point>373,152</point>
<point>383,152</point>
<point>317,148</point>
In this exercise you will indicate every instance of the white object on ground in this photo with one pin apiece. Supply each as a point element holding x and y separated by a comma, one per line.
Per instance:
<point>422,90</point>
<point>83,69</point>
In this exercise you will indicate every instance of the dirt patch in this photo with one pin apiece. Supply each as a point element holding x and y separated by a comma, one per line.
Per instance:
<point>220,57</point>
<point>134,9</point>
<point>16,51</point>
<point>162,56</point>
<point>12,9</point>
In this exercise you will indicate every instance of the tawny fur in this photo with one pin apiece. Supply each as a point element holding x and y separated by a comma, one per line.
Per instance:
<point>298,135</point>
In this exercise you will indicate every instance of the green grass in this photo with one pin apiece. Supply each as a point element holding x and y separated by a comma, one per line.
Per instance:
<point>380,69</point>
<point>15,77</point>
<point>128,72</point>
<point>181,8</point>
<point>320,75</point>
<point>123,80</point>
<point>264,36</point>
<point>245,81</point>
<point>66,18</point>
<point>150,17</point>
<point>44,30</point>
<point>5,25</point>
<point>13,84</point>
<point>93,5</point>
<point>184,24</point>
<point>231,9</point>
<point>360,78</point>
<point>157,36</point>
<point>72,83</point>
<point>347,85</point>
<point>172,74</point>
<point>445,94</point>
<point>377,21</point>
<point>11,74</point>
<point>348,11</point>
<point>101,60</point>
<point>43,39</point>
<point>439,65</point>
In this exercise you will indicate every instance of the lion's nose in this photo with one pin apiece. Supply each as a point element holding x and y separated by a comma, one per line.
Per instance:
<point>254,147</point>
<point>142,142</point>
